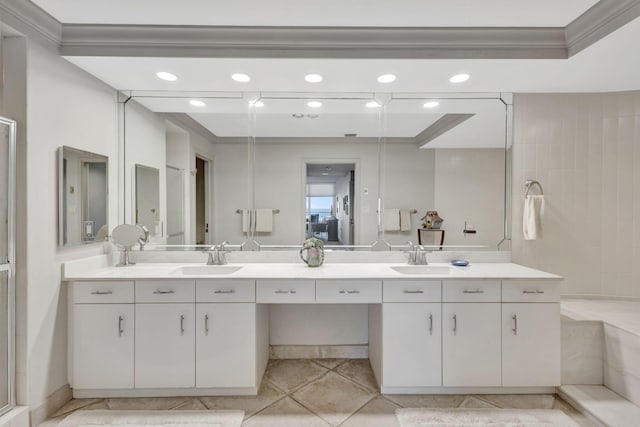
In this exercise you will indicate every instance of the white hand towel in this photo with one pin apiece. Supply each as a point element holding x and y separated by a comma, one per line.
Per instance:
<point>391,220</point>
<point>246,219</point>
<point>532,217</point>
<point>405,220</point>
<point>264,220</point>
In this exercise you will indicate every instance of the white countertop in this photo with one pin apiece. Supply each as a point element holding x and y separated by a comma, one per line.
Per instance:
<point>301,271</point>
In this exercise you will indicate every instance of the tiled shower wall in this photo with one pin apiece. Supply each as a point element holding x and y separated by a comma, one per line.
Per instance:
<point>585,151</point>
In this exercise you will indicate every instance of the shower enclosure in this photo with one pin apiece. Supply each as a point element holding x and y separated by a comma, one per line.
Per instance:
<point>7,294</point>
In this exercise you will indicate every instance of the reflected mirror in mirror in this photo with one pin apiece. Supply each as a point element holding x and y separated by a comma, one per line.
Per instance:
<point>148,199</point>
<point>82,197</point>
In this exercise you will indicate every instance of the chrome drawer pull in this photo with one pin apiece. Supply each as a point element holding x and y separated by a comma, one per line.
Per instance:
<point>224,291</point>
<point>120,326</point>
<point>477,291</point>
<point>285,292</point>
<point>515,324</point>
<point>182,325</point>
<point>532,292</point>
<point>455,324</point>
<point>350,292</point>
<point>101,292</point>
<point>206,324</point>
<point>159,292</point>
<point>431,324</point>
<point>413,292</point>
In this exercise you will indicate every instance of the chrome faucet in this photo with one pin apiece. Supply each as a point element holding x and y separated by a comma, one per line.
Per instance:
<point>417,254</point>
<point>217,254</point>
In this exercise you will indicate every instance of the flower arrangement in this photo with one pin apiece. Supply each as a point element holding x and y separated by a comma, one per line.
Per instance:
<point>313,243</point>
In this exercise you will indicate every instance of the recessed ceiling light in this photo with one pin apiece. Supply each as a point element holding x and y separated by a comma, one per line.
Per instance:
<point>197,103</point>
<point>431,104</point>
<point>314,104</point>
<point>372,104</point>
<point>325,173</point>
<point>313,78</point>
<point>241,78</point>
<point>386,78</point>
<point>459,78</point>
<point>257,104</point>
<point>167,76</point>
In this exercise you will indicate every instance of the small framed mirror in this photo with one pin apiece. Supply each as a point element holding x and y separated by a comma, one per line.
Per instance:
<point>147,199</point>
<point>83,199</point>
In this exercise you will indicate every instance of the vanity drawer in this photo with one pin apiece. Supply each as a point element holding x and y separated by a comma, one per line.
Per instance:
<point>158,291</point>
<point>103,292</point>
<point>225,290</point>
<point>530,291</point>
<point>349,291</point>
<point>278,291</point>
<point>412,291</point>
<point>471,290</point>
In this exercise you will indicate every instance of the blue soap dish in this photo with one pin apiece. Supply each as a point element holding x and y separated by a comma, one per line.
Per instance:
<point>460,263</point>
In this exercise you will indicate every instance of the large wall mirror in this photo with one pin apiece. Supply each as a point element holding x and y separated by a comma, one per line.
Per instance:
<point>83,201</point>
<point>351,169</point>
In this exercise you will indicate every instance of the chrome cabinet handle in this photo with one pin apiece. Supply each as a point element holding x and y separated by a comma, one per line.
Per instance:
<point>120,326</point>
<point>536,291</point>
<point>285,292</point>
<point>159,292</point>
<point>413,292</point>
<point>431,324</point>
<point>101,292</point>
<point>206,324</point>
<point>350,292</point>
<point>477,291</point>
<point>224,291</point>
<point>455,324</point>
<point>515,324</point>
<point>182,325</point>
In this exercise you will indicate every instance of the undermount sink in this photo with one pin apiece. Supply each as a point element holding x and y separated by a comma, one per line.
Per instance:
<point>422,269</point>
<point>206,270</point>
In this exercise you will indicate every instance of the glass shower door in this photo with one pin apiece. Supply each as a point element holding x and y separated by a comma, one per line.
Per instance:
<point>7,299</point>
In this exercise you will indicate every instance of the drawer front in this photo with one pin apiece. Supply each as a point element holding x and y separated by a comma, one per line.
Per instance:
<point>412,291</point>
<point>471,290</point>
<point>530,291</point>
<point>103,292</point>
<point>278,291</point>
<point>225,290</point>
<point>349,291</point>
<point>158,291</point>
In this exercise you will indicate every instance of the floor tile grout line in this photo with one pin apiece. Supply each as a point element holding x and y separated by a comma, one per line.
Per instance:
<point>357,410</point>
<point>357,383</point>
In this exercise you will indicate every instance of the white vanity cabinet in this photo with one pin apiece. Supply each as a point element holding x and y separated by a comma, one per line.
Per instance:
<point>102,350</point>
<point>530,334</point>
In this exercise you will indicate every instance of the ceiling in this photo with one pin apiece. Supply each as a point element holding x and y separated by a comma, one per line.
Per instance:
<point>374,13</point>
<point>329,171</point>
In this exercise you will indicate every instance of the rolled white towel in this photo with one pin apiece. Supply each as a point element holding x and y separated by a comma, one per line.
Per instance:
<point>532,217</point>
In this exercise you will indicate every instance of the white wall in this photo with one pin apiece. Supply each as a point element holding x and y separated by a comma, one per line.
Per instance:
<point>178,151</point>
<point>585,151</point>
<point>469,186</point>
<point>65,106</point>
<point>145,144</point>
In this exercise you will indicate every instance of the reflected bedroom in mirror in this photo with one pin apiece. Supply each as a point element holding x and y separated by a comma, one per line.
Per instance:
<point>82,197</point>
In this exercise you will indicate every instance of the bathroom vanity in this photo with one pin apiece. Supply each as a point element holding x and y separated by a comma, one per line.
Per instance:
<point>188,329</point>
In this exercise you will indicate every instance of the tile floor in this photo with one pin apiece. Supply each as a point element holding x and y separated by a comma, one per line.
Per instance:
<point>322,392</point>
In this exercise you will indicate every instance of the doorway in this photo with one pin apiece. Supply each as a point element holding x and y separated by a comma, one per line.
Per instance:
<point>329,202</point>
<point>201,199</point>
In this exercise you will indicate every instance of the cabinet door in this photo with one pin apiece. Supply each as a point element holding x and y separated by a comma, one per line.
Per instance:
<point>165,345</point>
<point>412,345</point>
<point>471,345</point>
<point>103,346</point>
<point>530,344</point>
<point>226,345</point>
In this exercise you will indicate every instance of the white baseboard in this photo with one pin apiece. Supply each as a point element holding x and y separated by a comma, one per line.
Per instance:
<point>55,401</point>
<point>319,351</point>
<point>165,392</point>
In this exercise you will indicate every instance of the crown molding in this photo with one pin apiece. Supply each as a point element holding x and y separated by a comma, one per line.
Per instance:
<point>313,42</point>
<point>30,20</point>
<point>600,20</point>
<point>439,127</point>
<point>186,122</point>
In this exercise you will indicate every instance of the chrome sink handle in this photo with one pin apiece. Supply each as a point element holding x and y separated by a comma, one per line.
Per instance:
<point>217,254</point>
